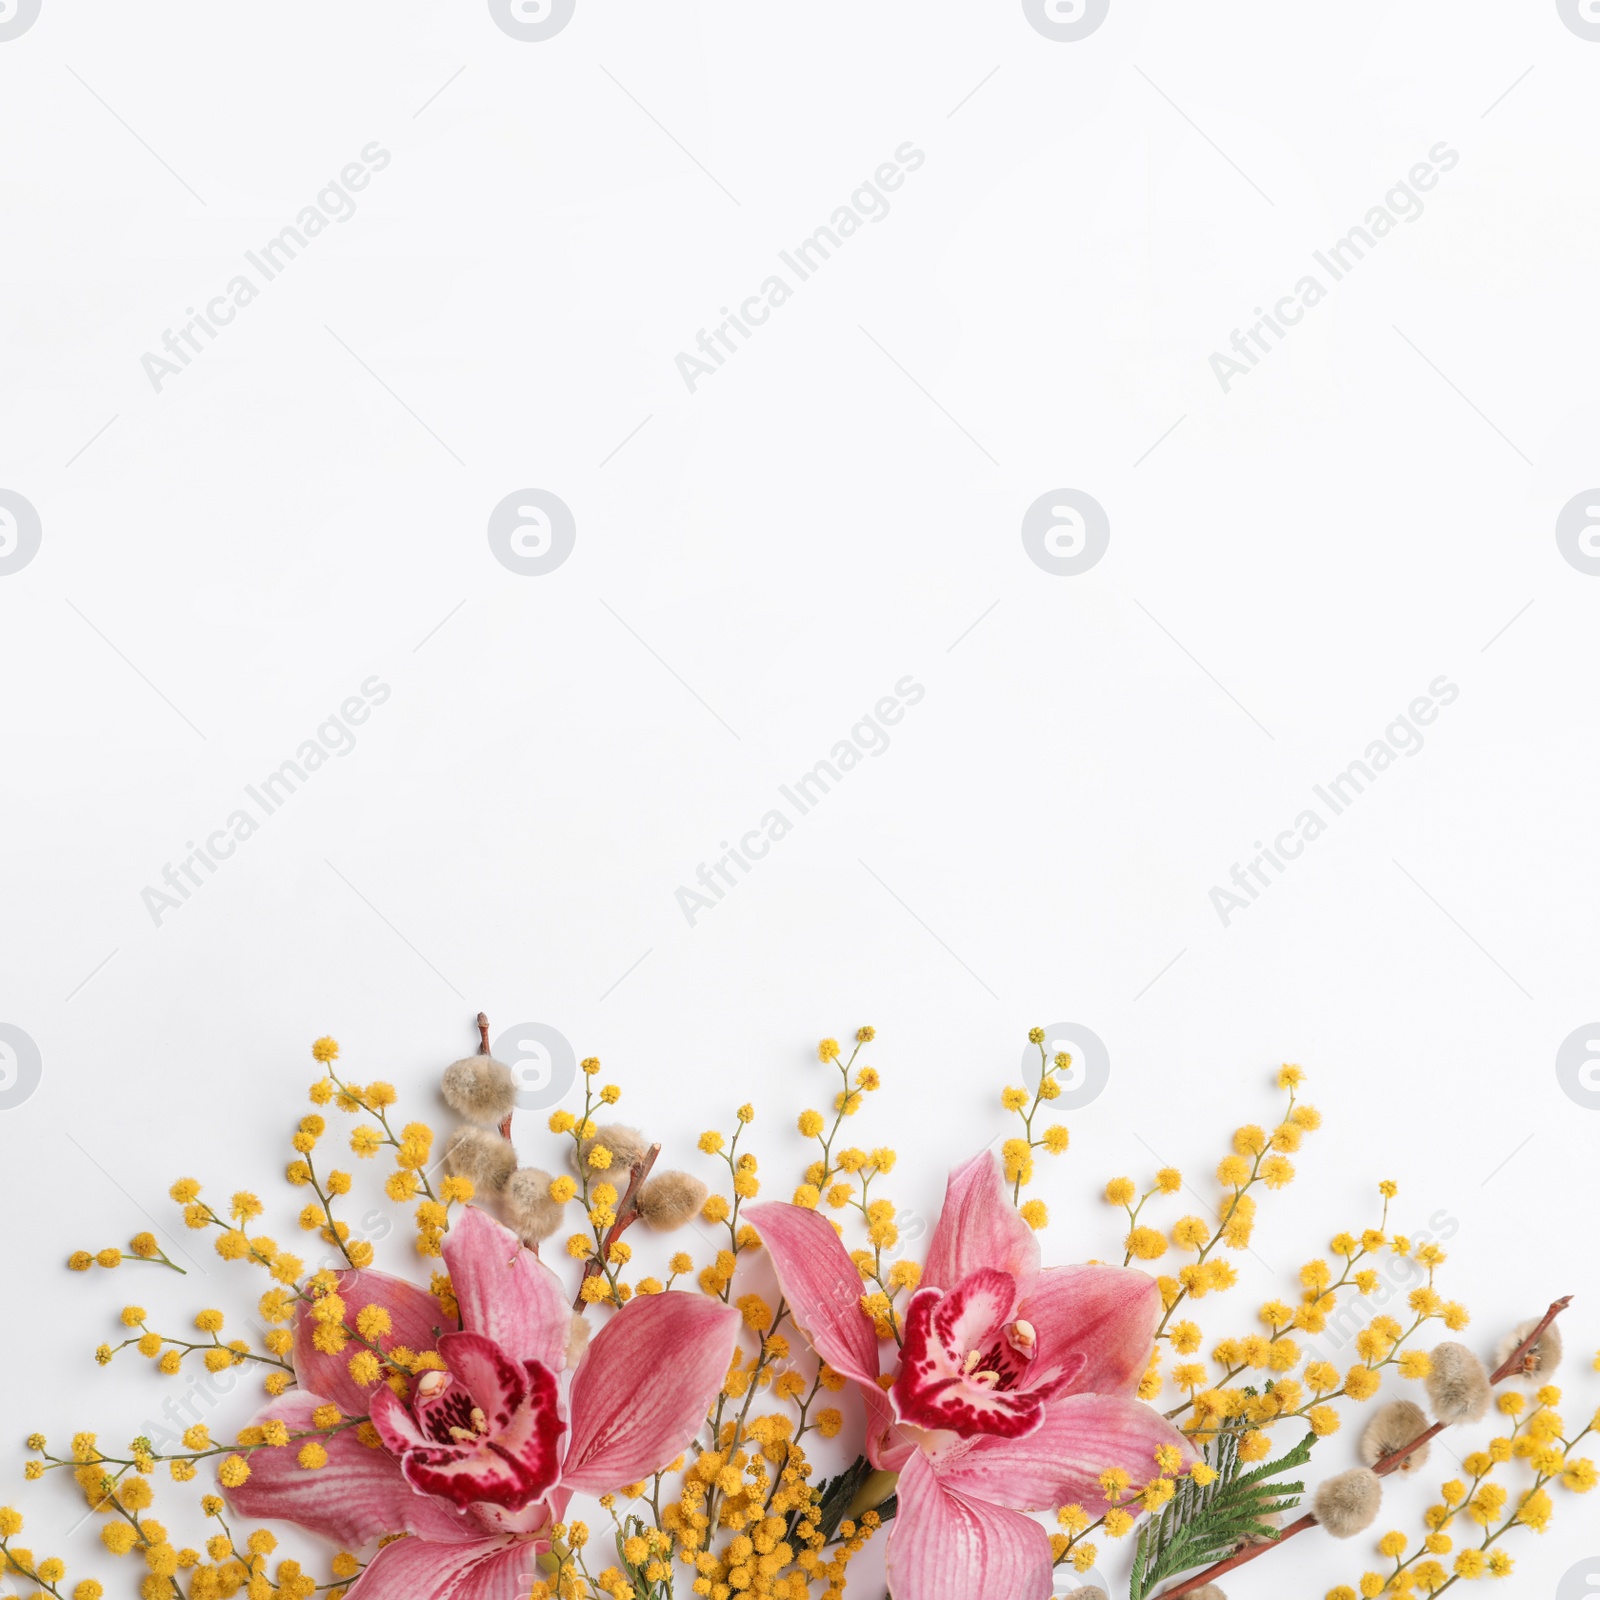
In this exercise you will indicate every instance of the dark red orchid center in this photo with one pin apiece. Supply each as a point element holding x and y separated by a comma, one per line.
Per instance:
<point>485,1431</point>
<point>446,1412</point>
<point>971,1365</point>
<point>1004,1365</point>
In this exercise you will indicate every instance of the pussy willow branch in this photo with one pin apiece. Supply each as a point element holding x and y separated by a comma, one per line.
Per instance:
<point>1390,1463</point>
<point>627,1215</point>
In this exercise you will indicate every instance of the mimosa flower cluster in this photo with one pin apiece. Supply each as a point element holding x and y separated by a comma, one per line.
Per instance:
<point>536,1412</point>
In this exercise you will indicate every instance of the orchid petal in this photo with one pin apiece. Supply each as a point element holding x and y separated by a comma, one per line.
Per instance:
<point>885,1442</point>
<point>359,1495</point>
<point>531,1519</point>
<point>823,1289</point>
<point>1108,1315</point>
<point>491,1569</point>
<point>944,1544</point>
<point>506,1292</point>
<point>979,1227</point>
<point>398,1429</point>
<point>415,1322</point>
<point>1060,1464</point>
<point>644,1386</point>
<point>822,1286</point>
<point>889,1446</point>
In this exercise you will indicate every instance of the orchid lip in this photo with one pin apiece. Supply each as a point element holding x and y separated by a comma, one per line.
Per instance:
<point>967,1362</point>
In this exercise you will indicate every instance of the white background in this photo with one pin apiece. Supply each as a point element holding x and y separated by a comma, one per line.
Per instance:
<point>839,506</point>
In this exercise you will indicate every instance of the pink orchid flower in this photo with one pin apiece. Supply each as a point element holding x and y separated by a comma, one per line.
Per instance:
<point>482,1458</point>
<point>1015,1388</point>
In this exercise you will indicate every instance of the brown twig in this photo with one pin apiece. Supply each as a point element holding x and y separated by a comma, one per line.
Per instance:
<point>1390,1463</point>
<point>627,1215</point>
<point>1514,1360</point>
<point>483,1050</point>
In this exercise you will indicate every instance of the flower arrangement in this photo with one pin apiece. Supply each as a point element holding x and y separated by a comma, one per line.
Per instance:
<point>990,1419</point>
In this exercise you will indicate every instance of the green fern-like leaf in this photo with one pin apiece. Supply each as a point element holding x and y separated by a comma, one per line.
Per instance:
<point>1201,1525</point>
